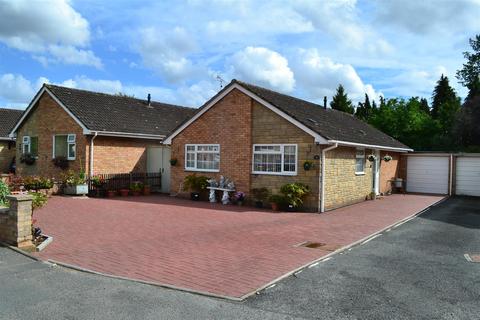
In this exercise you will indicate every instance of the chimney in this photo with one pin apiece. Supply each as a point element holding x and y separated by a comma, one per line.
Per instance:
<point>149,99</point>
<point>325,102</point>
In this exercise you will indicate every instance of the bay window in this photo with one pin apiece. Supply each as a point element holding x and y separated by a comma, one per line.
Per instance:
<point>280,159</point>
<point>202,157</point>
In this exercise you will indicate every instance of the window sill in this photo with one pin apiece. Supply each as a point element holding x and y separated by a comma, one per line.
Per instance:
<point>201,170</point>
<point>359,173</point>
<point>275,173</point>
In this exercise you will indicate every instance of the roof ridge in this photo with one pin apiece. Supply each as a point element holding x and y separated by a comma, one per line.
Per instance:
<point>48,85</point>
<point>11,109</point>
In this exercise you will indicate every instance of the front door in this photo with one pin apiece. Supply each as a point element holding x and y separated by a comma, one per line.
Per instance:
<point>376,173</point>
<point>158,160</point>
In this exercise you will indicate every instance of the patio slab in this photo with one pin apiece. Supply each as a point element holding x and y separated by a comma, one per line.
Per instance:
<point>224,251</point>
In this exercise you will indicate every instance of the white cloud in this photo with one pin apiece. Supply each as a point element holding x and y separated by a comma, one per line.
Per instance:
<point>166,52</point>
<point>50,29</point>
<point>264,67</point>
<point>319,76</point>
<point>14,88</point>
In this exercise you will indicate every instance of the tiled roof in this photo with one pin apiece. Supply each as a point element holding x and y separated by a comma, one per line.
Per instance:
<point>115,113</point>
<point>8,119</point>
<point>329,123</point>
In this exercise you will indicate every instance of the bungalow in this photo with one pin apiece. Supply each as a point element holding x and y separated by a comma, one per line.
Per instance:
<point>94,132</point>
<point>262,138</point>
<point>8,119</point>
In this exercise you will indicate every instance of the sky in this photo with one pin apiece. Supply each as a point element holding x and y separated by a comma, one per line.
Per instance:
<point>177,50</point>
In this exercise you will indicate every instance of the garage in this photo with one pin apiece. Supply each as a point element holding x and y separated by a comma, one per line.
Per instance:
<point>428,174</point>
<point>468,176</point>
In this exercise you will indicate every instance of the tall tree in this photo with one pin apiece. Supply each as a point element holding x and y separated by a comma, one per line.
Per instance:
<point>341,102</point>
<point>466,129</point>
<point>445,104</point>
<point>469,74</point>
<point>424,105</point>
<point>364,110</point>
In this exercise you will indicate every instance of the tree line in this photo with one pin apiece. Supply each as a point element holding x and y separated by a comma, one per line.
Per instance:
<point>447,124</point>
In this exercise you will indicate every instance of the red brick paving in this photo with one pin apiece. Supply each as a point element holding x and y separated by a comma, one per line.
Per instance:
<point>221,250</point>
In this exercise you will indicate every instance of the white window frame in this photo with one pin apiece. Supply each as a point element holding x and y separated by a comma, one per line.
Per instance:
<point>26,142</point>
<point>282,151</point>
<point>196,152</point>
<point>71,140</point>
<point>357,156</point>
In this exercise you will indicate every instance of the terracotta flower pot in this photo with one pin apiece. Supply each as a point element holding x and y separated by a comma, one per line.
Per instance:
<point>147,190</point>
<point>274,206</point>
<point>135,193</point>
<point>111,193</point>
<point>124,192</point>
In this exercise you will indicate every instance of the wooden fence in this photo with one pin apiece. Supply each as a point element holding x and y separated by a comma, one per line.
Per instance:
<point>117,181</point>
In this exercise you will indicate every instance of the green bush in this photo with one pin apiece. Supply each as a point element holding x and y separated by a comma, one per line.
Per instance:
<point>39,200</point>
<point>195,183</point>
<point>71,178</point>
<point>136,186</point>
<point>36,183</point>
<point>295,193</point>
<point>279,199</point>
<point>4,192</point>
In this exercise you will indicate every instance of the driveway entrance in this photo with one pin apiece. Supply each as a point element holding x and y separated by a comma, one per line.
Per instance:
<point>225,251</point>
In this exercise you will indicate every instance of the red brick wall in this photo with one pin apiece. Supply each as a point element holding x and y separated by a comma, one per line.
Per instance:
<point>388,170</point>
<point>120,155</point>
<point>46,120</point>
<point>7,152</point>
<point>228,123</point>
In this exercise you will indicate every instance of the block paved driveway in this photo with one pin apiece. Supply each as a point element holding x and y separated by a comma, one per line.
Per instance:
<point>208,248</point>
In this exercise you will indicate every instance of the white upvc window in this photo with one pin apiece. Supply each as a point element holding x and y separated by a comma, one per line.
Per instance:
<point>360,161</point>
<point>202,157</point>
<point>276,159</point>
<point>26,144</point>
<point>64,145</point>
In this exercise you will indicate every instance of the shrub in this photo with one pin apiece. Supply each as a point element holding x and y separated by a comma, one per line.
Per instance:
<point>195,183</point>
<point>97,181</point>
<point>39,200</point>
<point>136,186</point>
<point>4,192</point>
<point>279,199</point>
<point>295,193</point>
<point>260,194</point>
<point>71,178</point>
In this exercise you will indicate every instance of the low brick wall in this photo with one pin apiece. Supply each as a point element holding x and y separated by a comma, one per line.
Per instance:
<point>16,222</point>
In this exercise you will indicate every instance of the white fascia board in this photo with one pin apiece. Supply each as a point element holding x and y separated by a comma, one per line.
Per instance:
<point>7,139</point>
<point>128,135</point>
<point>369,146</point>
<point>318,138</point>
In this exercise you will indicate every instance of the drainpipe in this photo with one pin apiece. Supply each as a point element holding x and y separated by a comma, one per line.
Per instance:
<point>91,153</point>
<point>322,178</point>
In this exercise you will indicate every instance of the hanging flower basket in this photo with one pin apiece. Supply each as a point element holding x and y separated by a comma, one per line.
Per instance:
<point>387,158</point>
<point>307,165</point>
<point>371,158</point>
<point>173,162</point>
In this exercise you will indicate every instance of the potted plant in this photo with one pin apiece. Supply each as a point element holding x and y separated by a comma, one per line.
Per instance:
<point>387,158</point>
<point>239,197</point>
<point>373,195</point>
<point>147,189</point>
<point>61,162</point>
<point>294,194</point>
<point>307,165</point>
<point>196,185</point>
<point>28,158</point>
<point>277,201</point>
<point>111,193</point>
<point>97,183</point>
<point>260,195</point>
<point>173,161</point>
<point>124,192</point>
<point>75,183</point>
<point>136,188</point>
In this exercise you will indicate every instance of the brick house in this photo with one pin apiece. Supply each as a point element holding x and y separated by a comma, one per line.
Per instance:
<point>261,138</point>
<point>98,133</point>
<point>8,119</point>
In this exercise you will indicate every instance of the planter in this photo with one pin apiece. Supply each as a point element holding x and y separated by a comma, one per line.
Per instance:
<point>195,196</point>
<point>81,189</point>
<point>124,192</point>
<point>147,190</point>
<point>42,242</point>
<point>111,193</point>
<point>136,193</point>
<point>259,204</point>
<point>398,182</point>
<point>275,206</point>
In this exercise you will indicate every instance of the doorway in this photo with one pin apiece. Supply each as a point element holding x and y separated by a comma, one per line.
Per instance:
<point>158,161</point>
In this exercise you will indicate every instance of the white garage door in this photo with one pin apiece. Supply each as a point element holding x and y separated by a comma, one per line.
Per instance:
<point>427,174</point>
<point>468,176</point>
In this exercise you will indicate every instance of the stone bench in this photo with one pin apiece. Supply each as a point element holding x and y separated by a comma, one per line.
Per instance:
<point>225,196</point>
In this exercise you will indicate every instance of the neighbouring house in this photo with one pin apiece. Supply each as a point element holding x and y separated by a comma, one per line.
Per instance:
<point>95,132</point>
<point>261,138</point>
<point>8,119</point>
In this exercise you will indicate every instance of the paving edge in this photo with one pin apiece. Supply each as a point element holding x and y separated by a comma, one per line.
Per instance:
<point>242,298</point>
<point>353,244</point>
<point>157,284</point>
<point>25,253</point>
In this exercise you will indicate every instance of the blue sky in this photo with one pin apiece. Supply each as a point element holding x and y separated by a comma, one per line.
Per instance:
<point>176,49</point>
